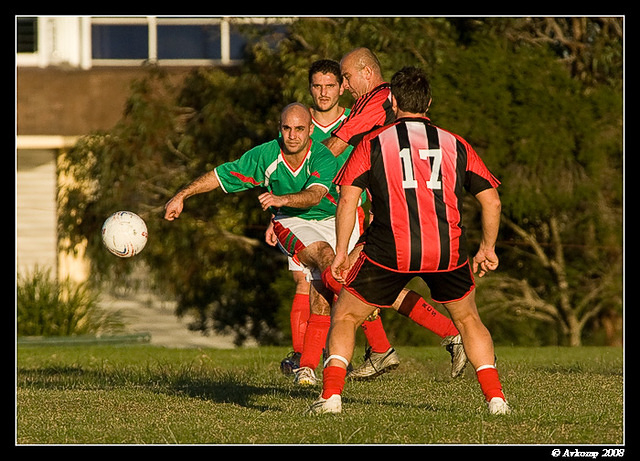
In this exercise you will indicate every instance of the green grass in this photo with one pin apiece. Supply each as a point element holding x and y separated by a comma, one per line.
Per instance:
<point>141,394</point>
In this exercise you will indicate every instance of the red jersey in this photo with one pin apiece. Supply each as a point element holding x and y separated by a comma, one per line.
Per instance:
<point>370,111</point>
<point>416,174</point>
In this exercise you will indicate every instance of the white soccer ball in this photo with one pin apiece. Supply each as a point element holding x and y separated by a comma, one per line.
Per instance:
<point>124,234</point>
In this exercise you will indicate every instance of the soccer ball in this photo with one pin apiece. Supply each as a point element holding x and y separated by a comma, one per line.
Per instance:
<point>124,234</point>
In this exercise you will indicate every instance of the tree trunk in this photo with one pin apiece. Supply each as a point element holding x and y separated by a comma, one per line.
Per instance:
<point>558,267</point>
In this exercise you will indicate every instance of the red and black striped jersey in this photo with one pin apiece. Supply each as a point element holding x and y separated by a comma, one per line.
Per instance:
<point>416,174</point>
<point>370,111</point>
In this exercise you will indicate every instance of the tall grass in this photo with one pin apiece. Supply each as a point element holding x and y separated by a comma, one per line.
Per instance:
<point>48,307</point>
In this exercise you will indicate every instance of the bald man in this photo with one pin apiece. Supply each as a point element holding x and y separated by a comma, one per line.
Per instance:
<point>373,108</point>
<point>275,165</point>
<point>362,76</point>
<point>297,174</point>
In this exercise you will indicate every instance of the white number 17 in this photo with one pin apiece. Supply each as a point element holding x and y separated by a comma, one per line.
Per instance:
<point>409,181</point>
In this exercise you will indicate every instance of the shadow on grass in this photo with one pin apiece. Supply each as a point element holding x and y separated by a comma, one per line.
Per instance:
<point>262,392</point>
<point>219,386</point>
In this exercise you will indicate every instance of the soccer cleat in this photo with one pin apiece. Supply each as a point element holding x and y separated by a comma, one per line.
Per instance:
<point>454,346</point>
<point>290,363</point>
<point>331,405</point>
<point>375,364</point>
<point>304,376</point>
<point>498,406</point>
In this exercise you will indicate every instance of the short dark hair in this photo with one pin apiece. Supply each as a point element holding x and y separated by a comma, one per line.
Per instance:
<point>326,66</point>
<point>411,89</point>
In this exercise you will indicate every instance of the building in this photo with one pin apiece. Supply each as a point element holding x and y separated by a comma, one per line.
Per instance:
<point>72,77</point>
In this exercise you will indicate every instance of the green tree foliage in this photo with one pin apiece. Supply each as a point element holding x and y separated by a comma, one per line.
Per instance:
<point>539,98</point>
<point>211,259</point>
<point>541,101</point>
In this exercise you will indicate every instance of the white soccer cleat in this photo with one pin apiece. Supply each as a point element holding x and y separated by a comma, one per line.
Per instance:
<point>498,406</point>
<point>304,376</point>
<point>331,405</point>
<point>375,364</point>
<point>454,346</point>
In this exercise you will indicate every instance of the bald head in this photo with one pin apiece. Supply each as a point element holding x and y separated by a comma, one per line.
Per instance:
<point>296,109</point>
<point>361,71</point>
<point>361,58</point>
<point>296,127</point>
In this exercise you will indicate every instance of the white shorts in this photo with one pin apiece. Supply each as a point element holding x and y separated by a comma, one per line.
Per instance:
<point>296,234</point>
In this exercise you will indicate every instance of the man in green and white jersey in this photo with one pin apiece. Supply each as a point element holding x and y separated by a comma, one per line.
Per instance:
<point>297,173</point>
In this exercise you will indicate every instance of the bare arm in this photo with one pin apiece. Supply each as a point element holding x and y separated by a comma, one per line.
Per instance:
<point>345,220</point>
<point>205,183</point>
<point>336,145</point>
<point>491,206</point>
<point>303,199</point>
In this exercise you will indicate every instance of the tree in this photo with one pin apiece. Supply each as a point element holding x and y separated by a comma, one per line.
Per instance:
<point>555,141</point>
<point>169,135</point>
<point>539,98</point>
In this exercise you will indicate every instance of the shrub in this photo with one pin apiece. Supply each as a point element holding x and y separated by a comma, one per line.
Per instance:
<point>47,307</point>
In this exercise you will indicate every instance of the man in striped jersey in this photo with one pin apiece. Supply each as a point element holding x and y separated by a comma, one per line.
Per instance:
<point>362,75</point>
<point>416,174</point>
<point>373,108</point>
<point>363,78</point>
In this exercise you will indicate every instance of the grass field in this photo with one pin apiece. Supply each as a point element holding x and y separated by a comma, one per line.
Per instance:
<point>141,394</point>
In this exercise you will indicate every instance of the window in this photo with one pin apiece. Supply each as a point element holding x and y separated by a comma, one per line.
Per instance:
<point>86,41</point>
<point>26,35</point>
<point>189,41</point>
<point>118,41</point>
<point>173,40</point>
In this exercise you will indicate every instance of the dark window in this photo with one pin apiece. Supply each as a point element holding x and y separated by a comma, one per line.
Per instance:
<point>119,41</point>
<point>188,41</point>
<point>27,35</point>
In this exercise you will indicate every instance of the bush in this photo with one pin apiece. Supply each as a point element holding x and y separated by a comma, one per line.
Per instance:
<point>47,307</point>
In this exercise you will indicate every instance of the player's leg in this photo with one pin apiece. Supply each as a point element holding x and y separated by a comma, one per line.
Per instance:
<point>369,286</point>
<point>348,314</point>
<point>479,347</point>
<point>298,317</point>
<point>300,309</point>
<point>476,337</point>
<point>380,357</point>
<point>458,287</point>
<point>318,254</point>
<point>412,305</point>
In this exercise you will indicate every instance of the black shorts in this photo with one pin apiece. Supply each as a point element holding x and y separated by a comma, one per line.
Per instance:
<point>380,286</point>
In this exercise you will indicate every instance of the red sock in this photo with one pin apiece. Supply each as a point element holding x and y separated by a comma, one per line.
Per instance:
<point>332,381</point>
<point>314,340</point>
<point>330,282</point>
<point>490,383</point>
<point>425,315</point>
<point>376,336</point>
<point>300,312</point>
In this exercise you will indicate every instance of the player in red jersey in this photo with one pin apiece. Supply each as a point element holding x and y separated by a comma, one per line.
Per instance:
<point>363,78</point>
<point>416,174</point>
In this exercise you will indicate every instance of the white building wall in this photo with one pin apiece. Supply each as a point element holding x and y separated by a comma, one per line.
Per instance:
<point>36,230</point>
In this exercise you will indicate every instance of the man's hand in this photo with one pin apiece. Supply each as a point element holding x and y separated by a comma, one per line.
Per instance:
<point>340,266</point>
<point>486,259</point>
<point>269,200</point>
<point>173,208</point>
<point>270,235</point>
